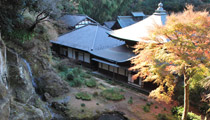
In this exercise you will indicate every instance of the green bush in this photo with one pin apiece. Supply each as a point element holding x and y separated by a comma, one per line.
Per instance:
<point>74,77</point>
<point>70,76</point>
<point>82,104</point>
<point>130,101</point>
<point>61,67</point>
<point>146,108</point>
<point>177,111</point>
<point>162,117</point>
<point>86,75</point>
<point>156,107</point>
<point>95,94</point>
<point>148,104</point>
<point>21,35</point>
<point>83,96</point>
<point>91,83</point>
<point>77,82</point>
<point>112,94</point>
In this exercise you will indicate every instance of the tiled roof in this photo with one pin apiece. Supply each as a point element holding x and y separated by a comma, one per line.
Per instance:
<point>125,21</point>
<point>109,24</point>
<point>141,30</point>
<point>116,54</point>
<point>72,20</point>
<point>137,14</point>
<point>88,38</point>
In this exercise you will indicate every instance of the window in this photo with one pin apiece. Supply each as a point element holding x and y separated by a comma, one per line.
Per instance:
<point>126,72</point>
<point>111,68</point>
<point>115,69</point>
<point>87,58</point>
<point>99,65</point>
<point>121,71</point>
<point>81,56</point>
<point>105,66</point>
<point>63,51</point>
<point>70,53</point>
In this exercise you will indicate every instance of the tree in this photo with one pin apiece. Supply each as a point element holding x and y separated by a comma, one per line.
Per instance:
<point>103,10</point>
<point>44,9</point>
<point>11,13</point>
<point>169,5</point>
<point>186,54</point>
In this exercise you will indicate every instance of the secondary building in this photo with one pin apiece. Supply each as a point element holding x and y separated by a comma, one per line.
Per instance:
<point>124,21</point>
<point>76,21</point>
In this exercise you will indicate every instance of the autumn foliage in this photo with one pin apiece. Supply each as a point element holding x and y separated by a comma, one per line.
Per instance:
<point>186,54</point>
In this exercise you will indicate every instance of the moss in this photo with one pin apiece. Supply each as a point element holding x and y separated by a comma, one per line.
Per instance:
<point>83,96</point>
<point>112,94</point>
<point>90,83</point>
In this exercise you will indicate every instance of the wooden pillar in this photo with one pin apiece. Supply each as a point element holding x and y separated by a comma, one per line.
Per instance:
<point>141,83</point>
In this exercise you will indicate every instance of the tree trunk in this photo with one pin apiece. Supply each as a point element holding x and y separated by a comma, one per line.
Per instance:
<point>31,29</point>
<point>186,98</point>
<point>207,115</point>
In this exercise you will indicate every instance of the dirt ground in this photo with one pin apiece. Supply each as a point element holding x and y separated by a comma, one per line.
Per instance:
<point>100,105</point>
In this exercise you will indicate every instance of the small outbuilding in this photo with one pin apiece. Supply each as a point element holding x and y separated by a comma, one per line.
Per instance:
<point>76,21</point>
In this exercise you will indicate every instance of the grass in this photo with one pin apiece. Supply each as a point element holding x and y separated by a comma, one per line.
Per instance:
<point>83,96</point>
<point>112,94</point>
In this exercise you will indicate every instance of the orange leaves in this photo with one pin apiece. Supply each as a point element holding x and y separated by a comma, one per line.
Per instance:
<point>207,53</point>
<point>189,47</point>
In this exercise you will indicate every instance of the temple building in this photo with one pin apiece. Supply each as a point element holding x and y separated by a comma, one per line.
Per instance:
<point>110,52</point>
<point>121,55</point>
<point>79,43</point>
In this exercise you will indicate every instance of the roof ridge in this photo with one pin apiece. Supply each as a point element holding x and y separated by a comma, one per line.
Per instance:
<point>94,40</point>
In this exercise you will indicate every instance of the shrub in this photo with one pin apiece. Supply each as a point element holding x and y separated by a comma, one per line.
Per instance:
<point>70,76</point>
<point>148,104</point>
<point>83,96</point>
<point>112,94</point>
<point>82,104</point>
<point>97,103</point>
<point>177,111</point>
<point>156,107</point>
<point>86,75</point>
<point>21,35</point>
<point>146,108</point>
<point>61,67</point>
<point>91,83</point>
<point>130,101</point>
<point>162,117</point>
<point>77,82</point>
<point>95,94</point>
<point>164,109</point>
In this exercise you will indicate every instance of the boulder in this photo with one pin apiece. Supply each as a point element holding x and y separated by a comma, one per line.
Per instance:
<point>52,84</point>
